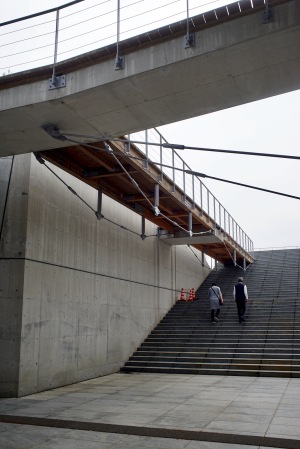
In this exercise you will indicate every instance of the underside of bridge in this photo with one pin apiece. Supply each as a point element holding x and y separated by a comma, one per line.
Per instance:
<point>122,173</point>
<point>238,56</point>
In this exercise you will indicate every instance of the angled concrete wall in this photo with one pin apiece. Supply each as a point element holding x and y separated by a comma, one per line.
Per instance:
<point>79,295</point>
<point>5,171</point>
<point>14,201</point>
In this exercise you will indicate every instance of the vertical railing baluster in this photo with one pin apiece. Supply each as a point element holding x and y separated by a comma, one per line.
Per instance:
<point>173,165</point>
<point>56,82</point>
<point>183,173</point>
<point>193,187</point>
<point>208,202</point>
<point>215,218</point>
<point>55,47</point>
<point>146,150</point>
<point>201,200</point>
<point>189,39</point>
<point>160,178</point>
<point>119,61</point>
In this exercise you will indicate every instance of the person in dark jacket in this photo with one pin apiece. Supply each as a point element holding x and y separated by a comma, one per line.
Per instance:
<point>240,295</point>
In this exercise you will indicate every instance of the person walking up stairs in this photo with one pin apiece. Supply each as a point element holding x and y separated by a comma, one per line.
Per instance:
<point>215,300</point>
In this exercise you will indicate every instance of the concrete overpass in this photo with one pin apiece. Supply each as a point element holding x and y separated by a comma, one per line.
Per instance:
<point>236,59</point>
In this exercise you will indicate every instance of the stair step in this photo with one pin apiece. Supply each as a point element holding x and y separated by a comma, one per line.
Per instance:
<point>268,344</point>
<point>217,363</point>
<point>211,371</point>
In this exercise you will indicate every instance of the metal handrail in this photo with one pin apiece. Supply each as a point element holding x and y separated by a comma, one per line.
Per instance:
<point>97,26</point>
<point>194,190</point>
<point>271,248</point>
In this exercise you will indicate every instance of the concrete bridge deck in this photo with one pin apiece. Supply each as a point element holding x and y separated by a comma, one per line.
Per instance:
<point>236,59</point>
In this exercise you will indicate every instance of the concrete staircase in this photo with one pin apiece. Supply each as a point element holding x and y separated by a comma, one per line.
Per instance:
<point>268,344</point>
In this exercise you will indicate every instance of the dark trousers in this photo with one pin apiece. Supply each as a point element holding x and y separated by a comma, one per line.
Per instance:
<point>241,308</point>
<point>213,315</point>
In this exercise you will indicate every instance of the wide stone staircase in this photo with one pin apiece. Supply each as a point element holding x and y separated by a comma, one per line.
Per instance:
<point>268,344</point>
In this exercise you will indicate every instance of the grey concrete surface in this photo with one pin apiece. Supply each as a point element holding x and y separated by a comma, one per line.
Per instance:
<point>77,295</point>
<point>5,169</point>
<point>232,63</point>
<point>158,411</point>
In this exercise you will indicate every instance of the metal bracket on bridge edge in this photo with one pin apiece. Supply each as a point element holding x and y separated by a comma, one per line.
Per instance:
<point>189,40</point>
<point>267,16</point>
<point>119,62</point>
<point>56,82</point>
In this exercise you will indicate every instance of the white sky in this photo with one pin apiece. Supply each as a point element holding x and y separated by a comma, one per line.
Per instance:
<point>270,125</point>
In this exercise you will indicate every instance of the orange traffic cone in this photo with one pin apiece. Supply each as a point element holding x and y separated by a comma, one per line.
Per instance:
<point>182,295</point>
<point>191,295</point>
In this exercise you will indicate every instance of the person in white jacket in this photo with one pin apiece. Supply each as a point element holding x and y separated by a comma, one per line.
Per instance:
<point>215,299</point>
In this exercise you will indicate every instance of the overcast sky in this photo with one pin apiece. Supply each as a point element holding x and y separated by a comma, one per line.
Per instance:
<point>269,126</point>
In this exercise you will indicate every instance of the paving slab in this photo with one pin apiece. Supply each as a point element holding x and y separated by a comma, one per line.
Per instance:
<point>156,410</point>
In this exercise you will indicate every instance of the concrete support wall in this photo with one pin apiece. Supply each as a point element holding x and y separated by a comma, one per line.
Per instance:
<point>79,295</point>
<point>14,201</point>
<point>5,171</point>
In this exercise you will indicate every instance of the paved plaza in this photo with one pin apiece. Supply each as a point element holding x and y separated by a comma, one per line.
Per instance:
<point>163,411</point>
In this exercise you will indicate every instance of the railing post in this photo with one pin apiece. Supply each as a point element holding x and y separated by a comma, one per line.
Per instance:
<point>173,165</point>
<point>201,200</point>
<point>183,176</point>
<point>193,186</point>
<point>190,224</point>
<point>145,163</point>
<point>119,61</point>
<point>267,13</point>
<point>215,218</point>
<point>99,206</point>
<point>56,82</point>
<point>160,177</point>
<point>156,199</point>
<point>189,39</point>
<point>143,235</point>
<point>208,203</point>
